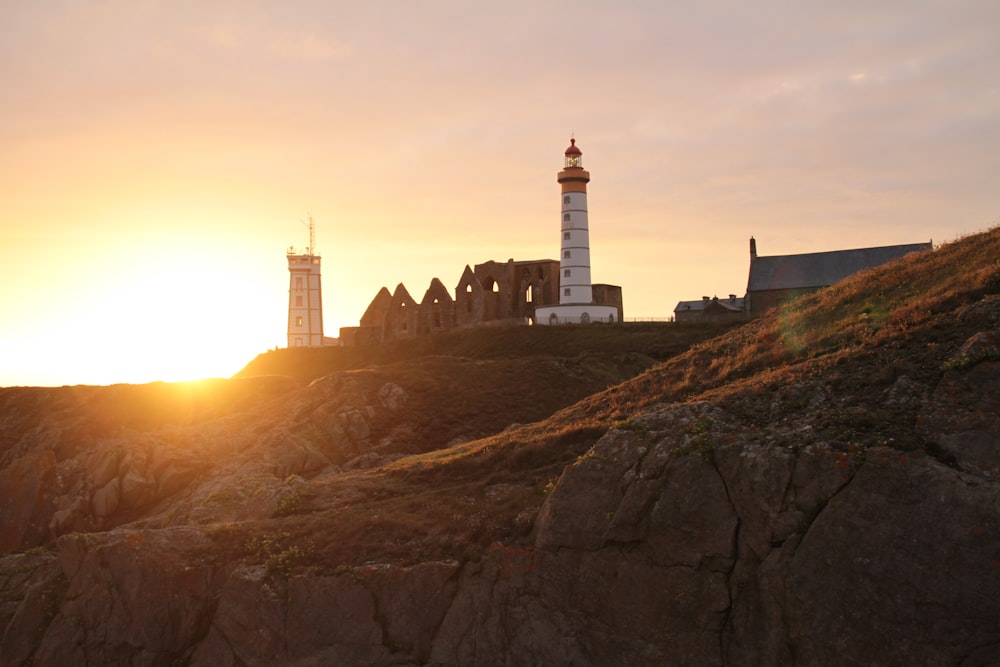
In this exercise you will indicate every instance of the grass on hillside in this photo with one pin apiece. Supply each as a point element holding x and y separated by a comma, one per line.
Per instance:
<point>856,338</point>
<point>853,339</point>
<point>451,503</point>
<point>905,309</point>
<point>659,341</point>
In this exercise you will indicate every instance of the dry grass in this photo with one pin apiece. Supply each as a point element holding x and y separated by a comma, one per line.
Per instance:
<point>655,341</point>
<point>852,340</point>
<point>855,338</point>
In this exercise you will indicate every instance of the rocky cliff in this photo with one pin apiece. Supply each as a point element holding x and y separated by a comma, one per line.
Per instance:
<point>819,487</point>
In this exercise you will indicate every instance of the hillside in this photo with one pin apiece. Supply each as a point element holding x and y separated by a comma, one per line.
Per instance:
<point>820,486</point>
<point>650,342</point>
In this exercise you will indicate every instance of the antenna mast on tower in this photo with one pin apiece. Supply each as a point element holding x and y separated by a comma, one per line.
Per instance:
<point>311,250</point>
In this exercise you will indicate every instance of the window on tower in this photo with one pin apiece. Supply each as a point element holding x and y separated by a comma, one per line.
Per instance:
<point>566,254</point>
<point>298,321</point>
<point>298,301</point>
<point>298,282</point>
<point>565,273</point>
<point>566,236</point>
<point>566,199</point>
<point>566,292</point>
<point>565,217</point>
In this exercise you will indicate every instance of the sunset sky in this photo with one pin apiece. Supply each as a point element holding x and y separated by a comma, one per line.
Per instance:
<point>158,157</point>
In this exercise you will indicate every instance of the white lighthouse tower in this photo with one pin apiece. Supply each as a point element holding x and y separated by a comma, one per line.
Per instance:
<point>576,298</point>
<point>305,295</point>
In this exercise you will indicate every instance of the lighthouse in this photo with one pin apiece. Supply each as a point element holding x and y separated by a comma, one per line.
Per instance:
<point>305,295</point>
<point>576,294</point>
<point>574,255</point>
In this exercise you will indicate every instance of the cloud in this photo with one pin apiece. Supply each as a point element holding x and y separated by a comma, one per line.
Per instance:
<point>308,47</point>
<point>812,124</point>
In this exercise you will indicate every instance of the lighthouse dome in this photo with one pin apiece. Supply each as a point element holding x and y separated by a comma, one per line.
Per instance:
<point>573,150</point>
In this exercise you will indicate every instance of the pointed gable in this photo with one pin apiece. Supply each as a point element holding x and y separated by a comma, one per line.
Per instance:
<point>437,291</point>
<point>401,319</point>
<point>468,282</point>
<point>375,313</point>
<point>468,299</point>
<point>401,297</point>
<point>437,310</point>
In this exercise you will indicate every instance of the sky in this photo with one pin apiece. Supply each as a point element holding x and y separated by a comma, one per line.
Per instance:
<point>158,157</point>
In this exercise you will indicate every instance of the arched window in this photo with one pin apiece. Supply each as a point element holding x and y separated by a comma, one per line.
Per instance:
<point>585,318</point>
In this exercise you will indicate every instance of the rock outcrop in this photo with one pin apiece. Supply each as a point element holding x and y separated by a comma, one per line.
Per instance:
<point>835,501</point>
<point>678,538</point>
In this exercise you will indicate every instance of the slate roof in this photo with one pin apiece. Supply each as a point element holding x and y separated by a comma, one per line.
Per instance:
<point>819,269</point>
<point>700,304</point>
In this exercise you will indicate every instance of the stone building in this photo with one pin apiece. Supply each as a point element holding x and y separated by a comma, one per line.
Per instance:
<point>488,294</point>
<point>775,279</point>
<point>711,310</point>
<point>506,292</point>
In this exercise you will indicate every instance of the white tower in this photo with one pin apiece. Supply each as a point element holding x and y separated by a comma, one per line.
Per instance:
<point>305,295</point>
<point>574,257</point>
<point>576,295</point>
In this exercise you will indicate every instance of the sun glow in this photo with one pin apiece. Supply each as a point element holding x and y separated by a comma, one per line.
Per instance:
<point>175,320</point>
<point>174,316</point>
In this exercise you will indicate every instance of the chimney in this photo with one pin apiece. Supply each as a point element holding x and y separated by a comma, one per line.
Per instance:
<point>732,297</point>
<point>705,298</point>
<point>753,248</point>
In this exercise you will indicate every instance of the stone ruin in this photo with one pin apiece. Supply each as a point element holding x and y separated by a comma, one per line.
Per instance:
<point>490,294</point>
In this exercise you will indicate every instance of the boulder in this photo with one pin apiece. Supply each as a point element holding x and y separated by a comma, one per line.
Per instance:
<point>27,500</point>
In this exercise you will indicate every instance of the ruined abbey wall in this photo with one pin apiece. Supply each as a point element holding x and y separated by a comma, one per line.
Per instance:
<point>492,293</point>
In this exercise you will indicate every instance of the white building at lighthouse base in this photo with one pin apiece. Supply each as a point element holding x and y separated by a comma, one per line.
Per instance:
<point>576,313</point>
